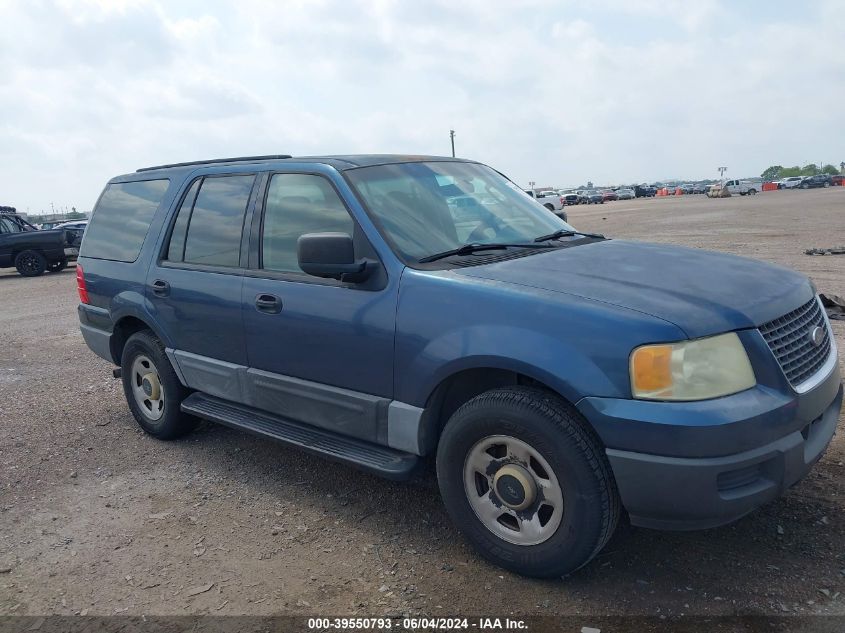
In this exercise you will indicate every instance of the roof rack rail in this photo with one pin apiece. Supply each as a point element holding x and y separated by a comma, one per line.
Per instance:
<point>237,159</point>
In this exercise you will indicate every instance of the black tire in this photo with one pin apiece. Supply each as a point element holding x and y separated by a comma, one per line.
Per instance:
<point>827,184</point>
<point>804,186</point>
<point>550,207</point>
<point>57,266</point>
<point>556,431</point>
<point>30,263</point>
<point>172,423</point>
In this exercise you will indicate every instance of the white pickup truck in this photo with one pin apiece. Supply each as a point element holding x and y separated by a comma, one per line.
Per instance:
<point>552,200</point>
<point>741,187</point>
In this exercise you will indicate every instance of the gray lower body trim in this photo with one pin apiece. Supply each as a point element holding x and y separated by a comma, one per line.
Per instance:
<point>209,375</point>
<point>171,356</point>
<point>341,410</point>
<point>372,418</point>
<point>403,427</point>
<point>98,341</point>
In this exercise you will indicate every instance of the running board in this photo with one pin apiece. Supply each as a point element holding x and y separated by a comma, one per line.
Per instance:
<point>380,460</point>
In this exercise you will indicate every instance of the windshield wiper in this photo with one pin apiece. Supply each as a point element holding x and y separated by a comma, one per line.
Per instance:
<point>469,249</point>
<point>566,233</point>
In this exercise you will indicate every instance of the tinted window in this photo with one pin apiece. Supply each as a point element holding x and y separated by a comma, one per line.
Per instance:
<point>176,250</point>
<point>122,218</point>
<point>215,226</point>
<point>298,204</point>
<point>7,226</point>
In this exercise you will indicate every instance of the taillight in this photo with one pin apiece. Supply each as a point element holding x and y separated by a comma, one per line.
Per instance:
<point>562,201</point>
<point>80,284</point>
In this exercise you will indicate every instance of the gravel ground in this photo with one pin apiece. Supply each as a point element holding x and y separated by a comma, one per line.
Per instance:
<point>98,518</point>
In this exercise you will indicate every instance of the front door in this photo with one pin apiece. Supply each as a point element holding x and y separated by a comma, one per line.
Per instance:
<point>319,351</point>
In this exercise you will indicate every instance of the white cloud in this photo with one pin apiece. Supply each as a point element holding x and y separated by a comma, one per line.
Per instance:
<point>552,92</point>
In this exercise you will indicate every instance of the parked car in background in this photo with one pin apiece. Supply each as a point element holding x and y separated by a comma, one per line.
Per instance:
<point>608,195</point>
<point>699,188</point>
<point>791,182</point>
<point>591,196</point>
<point>46,226</point>
<point>32,251</point>
<point>837,180</point>
<point>74,224</point>
<point>645,191</point>
<point>552,200</point>
<point>624,193</point>
<point>740,187</point>
<point>813,182</point>
<point>570,199</point>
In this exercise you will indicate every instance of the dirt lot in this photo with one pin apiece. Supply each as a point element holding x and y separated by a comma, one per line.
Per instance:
<point>97,518</point>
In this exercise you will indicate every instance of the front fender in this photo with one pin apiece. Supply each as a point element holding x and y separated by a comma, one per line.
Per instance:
<point>544,358</point>
<point>447,322</point>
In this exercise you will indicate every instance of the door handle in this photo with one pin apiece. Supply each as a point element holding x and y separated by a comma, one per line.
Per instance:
<point>160,287</point>
<point>271,304</point>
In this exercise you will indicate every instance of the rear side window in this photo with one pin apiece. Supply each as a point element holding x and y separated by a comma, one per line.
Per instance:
<point>122,218</point>
<point>210,222</point>
<point>7,226</point>
<point>176,251</point>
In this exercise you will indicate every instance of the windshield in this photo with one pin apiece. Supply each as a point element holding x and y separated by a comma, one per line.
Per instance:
<point>429,208</point>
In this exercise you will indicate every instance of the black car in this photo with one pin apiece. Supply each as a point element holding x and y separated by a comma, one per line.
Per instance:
<point>812,182</point>
<point>644,191</point>
<point>592,197</point>
<point>32,251</point>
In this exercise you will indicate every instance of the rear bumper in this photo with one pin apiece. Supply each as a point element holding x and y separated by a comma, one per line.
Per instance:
<point>685,466</point>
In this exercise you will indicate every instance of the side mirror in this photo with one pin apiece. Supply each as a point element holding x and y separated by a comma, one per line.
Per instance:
<point>330,256</point>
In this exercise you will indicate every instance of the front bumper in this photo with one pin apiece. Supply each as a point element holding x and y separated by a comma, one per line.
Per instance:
<point>718,459</point>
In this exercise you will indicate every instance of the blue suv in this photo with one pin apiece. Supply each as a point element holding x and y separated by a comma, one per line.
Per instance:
<point>378,310</point>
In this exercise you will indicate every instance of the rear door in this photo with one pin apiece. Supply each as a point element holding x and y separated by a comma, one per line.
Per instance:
<point>320,351</point>
<point>194,287</point>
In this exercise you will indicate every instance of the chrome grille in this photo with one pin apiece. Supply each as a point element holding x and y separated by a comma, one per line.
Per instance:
<point>789,339</point>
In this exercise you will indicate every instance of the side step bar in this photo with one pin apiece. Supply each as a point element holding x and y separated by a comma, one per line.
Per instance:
<point>373,458</point>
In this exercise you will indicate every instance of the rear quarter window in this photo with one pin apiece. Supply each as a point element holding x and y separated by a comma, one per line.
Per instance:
<point>120,222</point>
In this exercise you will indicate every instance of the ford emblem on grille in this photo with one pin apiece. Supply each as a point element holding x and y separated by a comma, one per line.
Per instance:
<point>817,335</point>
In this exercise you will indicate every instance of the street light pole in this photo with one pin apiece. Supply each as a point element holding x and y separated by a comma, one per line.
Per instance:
<point>452,138</point>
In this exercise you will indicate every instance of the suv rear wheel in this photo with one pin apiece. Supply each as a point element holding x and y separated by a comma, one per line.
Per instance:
<point>30,263</point>
<point>527,481</point>
<point>152,389</point>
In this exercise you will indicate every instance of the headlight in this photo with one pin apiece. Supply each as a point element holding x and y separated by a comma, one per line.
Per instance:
<point>691,370</point>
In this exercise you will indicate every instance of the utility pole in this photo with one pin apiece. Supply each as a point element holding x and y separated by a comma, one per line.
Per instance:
<point>452,137</point>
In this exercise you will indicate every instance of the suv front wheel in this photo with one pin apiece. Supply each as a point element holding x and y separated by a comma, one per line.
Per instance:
<point>152,388</point>
<point>526,479</point>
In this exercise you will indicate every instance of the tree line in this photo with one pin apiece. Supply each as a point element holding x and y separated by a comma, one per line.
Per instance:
<point>776,172</point>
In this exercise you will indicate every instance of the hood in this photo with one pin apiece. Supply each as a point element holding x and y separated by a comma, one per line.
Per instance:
<point>701,292</point>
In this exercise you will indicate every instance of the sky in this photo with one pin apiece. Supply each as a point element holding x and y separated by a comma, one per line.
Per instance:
<point>551,92</point>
